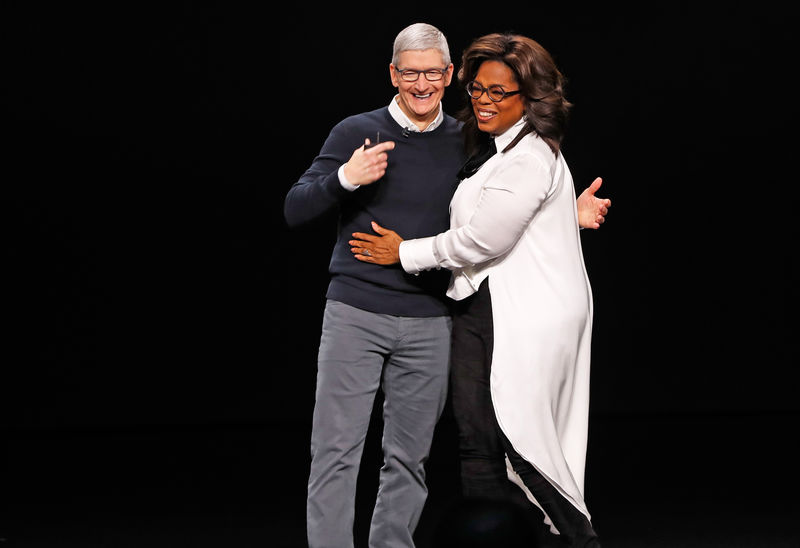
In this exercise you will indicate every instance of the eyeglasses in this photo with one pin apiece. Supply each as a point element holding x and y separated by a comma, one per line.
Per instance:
<point>494,92</point>
<point>431,75</point>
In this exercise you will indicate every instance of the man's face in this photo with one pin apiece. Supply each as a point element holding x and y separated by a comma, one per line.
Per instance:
<point>419,100</point>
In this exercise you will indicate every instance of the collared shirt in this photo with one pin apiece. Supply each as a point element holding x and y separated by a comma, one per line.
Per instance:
<point>401,118</point>
<point>504,139</point>
<point>403,121</point>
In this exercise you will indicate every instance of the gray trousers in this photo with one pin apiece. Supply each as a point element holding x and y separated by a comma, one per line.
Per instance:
<point>360,352</point>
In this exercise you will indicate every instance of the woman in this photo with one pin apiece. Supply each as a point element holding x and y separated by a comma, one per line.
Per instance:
<point>523,316</point>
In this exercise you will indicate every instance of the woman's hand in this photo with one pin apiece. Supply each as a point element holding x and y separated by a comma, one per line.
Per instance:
<point>383,249</point>
<point>591,209</point>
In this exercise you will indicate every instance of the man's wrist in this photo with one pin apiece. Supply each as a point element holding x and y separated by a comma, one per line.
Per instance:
<point>347,185</point>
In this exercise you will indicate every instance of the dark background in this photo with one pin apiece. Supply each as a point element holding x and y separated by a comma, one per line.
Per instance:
<point>159,371</point>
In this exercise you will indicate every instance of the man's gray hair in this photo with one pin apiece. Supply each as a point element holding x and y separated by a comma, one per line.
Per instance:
<point>421,36</point>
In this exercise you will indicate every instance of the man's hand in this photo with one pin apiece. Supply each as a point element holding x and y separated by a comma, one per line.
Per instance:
<point>592,210</point>
<point>383,249</point>
<point>367,165</point>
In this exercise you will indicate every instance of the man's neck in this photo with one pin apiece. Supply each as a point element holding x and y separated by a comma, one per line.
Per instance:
<point>420,123</point>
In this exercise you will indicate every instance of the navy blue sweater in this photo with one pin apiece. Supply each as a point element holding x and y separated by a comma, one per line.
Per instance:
<point>412,198</point>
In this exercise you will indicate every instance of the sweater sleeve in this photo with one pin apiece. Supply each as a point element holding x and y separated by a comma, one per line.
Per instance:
<point>319,189</point>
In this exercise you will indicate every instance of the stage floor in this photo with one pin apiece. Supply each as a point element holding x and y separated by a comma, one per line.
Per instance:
<point>652,482</point>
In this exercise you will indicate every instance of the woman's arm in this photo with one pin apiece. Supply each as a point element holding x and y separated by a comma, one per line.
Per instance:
<point>507,204</point>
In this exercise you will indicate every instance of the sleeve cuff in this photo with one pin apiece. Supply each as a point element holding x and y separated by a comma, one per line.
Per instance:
<point>344,182</point>
<point>418,255</point>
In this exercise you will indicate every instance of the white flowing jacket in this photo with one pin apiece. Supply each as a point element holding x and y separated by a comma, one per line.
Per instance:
<point>515,222</point>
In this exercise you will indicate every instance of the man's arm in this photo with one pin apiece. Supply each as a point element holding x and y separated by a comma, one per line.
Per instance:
<point>320,188</point>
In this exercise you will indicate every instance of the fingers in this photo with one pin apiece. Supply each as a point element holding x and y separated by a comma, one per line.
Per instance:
<point>367,165</point>
<point>378,150</point>
<point>360,252</point>
<point>380,147</point>
<point>379,229</point>
<point>364,238</point>
<point>367,255</point>
<point>362,249</point>
<point>373,166</point>
<point>363,255</point>
<point>370,253</point>
<point>377,154</point>
<point>380,249</point>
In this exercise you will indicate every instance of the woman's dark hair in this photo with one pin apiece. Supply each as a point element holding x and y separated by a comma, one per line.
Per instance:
<point>540,81</point>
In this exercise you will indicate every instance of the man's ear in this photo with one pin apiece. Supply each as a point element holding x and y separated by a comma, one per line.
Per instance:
<point>448,77</point>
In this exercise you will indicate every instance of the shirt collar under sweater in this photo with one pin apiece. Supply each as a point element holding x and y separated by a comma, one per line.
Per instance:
<point>401,118</point>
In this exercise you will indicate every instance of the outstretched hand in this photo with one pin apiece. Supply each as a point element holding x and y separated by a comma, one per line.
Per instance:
<point>383,249</point>
<point>592,210</point>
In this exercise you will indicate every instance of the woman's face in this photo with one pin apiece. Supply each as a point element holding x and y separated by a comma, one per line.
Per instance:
<point>496,118</point>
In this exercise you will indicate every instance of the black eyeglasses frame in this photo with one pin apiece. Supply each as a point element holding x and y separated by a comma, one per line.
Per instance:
<point>505,93</point>
<point>426,72</point>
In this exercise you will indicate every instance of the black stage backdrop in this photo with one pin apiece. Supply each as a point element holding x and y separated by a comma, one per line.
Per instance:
<point>154,287</point>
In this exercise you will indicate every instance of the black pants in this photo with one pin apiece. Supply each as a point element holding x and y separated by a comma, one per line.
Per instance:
<point>482,445</point>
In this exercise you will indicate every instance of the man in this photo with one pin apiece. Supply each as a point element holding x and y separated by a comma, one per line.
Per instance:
<point>382,327</point>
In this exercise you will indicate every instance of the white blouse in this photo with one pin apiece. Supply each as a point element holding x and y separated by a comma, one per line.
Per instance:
<point>515,222</point>
<point>511,187</point>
